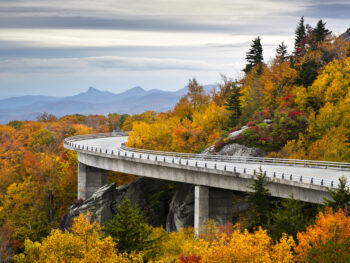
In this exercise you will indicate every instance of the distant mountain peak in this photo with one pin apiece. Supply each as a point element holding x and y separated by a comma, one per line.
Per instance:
<point>93,90</point>
<point>137,88</point>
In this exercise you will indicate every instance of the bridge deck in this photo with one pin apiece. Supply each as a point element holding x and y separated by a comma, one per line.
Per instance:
<point>306,173</point>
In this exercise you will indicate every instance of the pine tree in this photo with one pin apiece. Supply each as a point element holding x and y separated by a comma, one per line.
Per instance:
<point>300,34</point>
<point>340,196</point>
<point>291,216</point>
<point>233,104</point>
<point>281,52</point>
<point>321,32</point>
<point>254,56</point>
<point>259,199</point>
<point>128,228</point>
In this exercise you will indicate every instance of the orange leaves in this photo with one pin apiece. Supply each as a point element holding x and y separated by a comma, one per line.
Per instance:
<point>329,228</point>
<point>235,246</point>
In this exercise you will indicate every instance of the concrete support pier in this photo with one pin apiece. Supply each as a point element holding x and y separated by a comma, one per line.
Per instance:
<point>201,207</point>
<point>90,179</point>
<point>213,203</point>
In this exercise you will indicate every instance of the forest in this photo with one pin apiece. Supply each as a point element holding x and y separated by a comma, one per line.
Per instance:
<point>304,95</point>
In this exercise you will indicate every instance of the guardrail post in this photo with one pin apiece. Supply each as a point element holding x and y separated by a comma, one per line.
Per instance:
<point>301,179</point>
<point>106,151</point>
<point>187,162</point>
<point>156,158</point>
<point>112,152</point>
<point>205,165</point>
<point>125,154</point>
<point>234,169</point>
<point>164,159</point>
<point>140,156</point>
<point>274,174</point>
<point>332,184</point>
<point>118,153</point>
<point>254,172</point>
<point>132,155</point>
<point>322,182</point>
<point>265,173</point>
<point>282,175</point>
<point>173,160</point>
<point>224,167</point>
<point>244,170</point>
<point>87,148</point>
<point>215,166</point>
<point>147,156</point>
<point>290,177</point>
<point>100,150</point>
<point>196,164</point>
<point>312,180</point>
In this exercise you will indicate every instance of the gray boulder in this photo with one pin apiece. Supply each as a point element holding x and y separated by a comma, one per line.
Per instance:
<point>235,149</point>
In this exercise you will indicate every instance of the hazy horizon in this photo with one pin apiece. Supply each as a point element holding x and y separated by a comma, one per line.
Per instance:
<point>61,49</point>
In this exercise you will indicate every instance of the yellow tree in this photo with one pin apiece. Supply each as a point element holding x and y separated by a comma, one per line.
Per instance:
<point>84,244</point>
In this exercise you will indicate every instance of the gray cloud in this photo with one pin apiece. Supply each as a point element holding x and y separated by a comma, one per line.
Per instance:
<point>49,44</point>
<point>68,65</point>
<point>329,10</point>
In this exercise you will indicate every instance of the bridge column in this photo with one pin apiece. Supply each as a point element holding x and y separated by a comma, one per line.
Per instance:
<point>90,179</point>
<point>201,207</point>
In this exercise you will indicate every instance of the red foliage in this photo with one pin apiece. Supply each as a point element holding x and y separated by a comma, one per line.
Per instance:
<point>219,145</point>
<point>294,114</point>
<point>263,139</point>
<point>190,258</point>
<point>251,123</point>
<point>289,97</point>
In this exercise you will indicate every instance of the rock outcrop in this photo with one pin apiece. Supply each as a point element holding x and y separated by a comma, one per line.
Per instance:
<point>235,149</point>
<point>181,208</point>
<point>153,197</point>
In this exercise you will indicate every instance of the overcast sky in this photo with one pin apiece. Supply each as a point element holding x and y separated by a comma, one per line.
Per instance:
<point>59,48</point>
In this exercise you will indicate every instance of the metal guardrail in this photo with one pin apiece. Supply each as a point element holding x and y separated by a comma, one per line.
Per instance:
<point>213,161</point>
<point>246,159</point>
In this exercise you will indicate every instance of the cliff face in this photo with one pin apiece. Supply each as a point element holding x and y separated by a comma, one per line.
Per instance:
<point>153,196</point>
<point>346,35</point>
<point>164,203</point>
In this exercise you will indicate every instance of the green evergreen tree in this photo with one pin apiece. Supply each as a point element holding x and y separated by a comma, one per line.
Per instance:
<point>300,34</point>
<point>290,217</point>
<point>128,229</point>
<point>340,196</point>
<point>260,201</point>
<point>321,33</point>
<point>281,52</point>
<point>254,56</point>
<point>307,73</point>
<point>233,104</point>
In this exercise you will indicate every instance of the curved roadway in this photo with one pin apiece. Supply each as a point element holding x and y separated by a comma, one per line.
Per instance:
<point>327,175</point>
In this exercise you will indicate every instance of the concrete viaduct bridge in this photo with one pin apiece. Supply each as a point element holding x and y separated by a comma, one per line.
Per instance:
<point>100,153</point>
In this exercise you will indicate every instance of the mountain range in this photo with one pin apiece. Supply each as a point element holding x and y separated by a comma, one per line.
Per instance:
<point>93,101</point>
